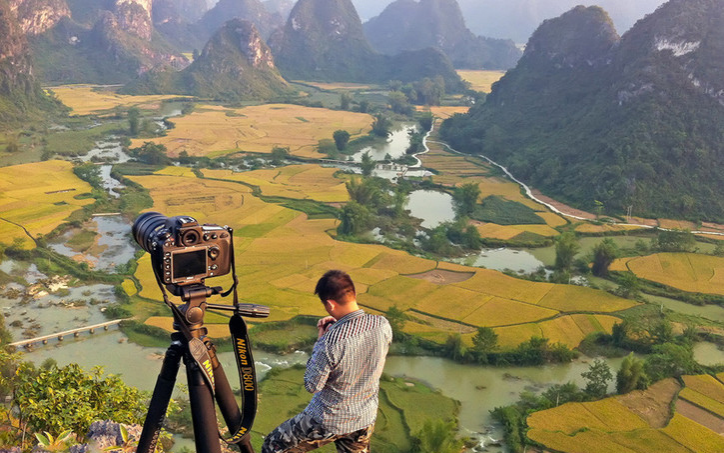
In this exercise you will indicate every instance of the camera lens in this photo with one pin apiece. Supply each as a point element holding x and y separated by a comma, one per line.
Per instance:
<point>190,237</point>
<point>145,226</point>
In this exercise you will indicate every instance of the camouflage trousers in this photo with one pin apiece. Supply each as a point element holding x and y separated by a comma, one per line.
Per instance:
<point>302,433</point>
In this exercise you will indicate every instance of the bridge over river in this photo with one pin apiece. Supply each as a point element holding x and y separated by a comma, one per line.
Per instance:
<point>60,335</point>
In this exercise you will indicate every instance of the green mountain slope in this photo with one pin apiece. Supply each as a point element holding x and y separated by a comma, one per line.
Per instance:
<point>632,122</point>
<point>235,65</point>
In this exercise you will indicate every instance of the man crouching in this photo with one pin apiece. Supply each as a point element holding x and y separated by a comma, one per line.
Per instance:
<point>343,373</point>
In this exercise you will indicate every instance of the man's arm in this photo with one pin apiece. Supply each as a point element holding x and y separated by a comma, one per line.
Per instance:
<point>318,369</point>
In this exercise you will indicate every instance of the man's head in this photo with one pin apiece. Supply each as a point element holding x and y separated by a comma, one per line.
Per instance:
<point>336,291</point>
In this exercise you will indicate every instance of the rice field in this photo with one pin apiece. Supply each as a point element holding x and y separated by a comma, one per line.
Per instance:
<point>39,197</point>
<point>481,80</point>
<point>280,254</point>
<point>628,424</point>
<point>213,131</point>
<point>91,99</point>
<point>685,271</point>
<point>303,182</point>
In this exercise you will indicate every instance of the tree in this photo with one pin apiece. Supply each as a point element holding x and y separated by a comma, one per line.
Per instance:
<point>597,377</point>
<point>426,120</point>
<point>399,103</point>
<point>604,253</point>
<point>381,126</point>
<point>719,249</point>
<point>134,121</point>
<point>485,341</point>
<point>437,436</point>
<point>396,318</point>
<point>354,219</point>
<point>628,285</point>
<point>278,154</point>
<point>12,146</point>
<point>344,101</point>
<point>566,248</point>
<point>465,198</point>
<point>152,154</point>
<point>454,347</point>
<point>631,376</point>
<point>671,360</point>
<point>367,164</point>
<point>58,399</point>
<point>675,241</point>
<point>341,138</point>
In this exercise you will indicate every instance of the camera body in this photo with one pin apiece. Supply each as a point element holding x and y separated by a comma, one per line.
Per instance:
<point>184,252</point>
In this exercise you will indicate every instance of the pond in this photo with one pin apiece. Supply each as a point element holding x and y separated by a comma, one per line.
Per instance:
<point>502,258</point>
<point>432,206</point>
<point>709,354</point>
<point>396,146</point>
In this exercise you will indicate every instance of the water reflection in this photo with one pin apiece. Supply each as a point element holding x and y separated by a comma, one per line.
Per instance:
<point>432,206</point>
<point>503,258</point>
<point>396,146</point>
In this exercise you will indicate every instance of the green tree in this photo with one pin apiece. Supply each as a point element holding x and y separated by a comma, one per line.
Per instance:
<point>604,253</point>
<point>134,121</point>
<point>675,241</point>
<point>12,146</point>
<point>454,347</point>
<point>152,154</point>
<point>719,249</point>
<point>631,376</point>
<point>628,285</point>
<point>58,399</point>
<point>426,120</point>
<point>437,436</point>
<point>465,198</point>
<point>566,248</point>
<point>341,138</point>
<point>417,144</point>
<point>671,360</point>
<point>399,103</point>
<point>278,154</point>
<point>345,99</point>
<point>485,341</point>
<point>397,319</point>
<point>367,164</point>
<point>381,126</point>
<point>354,219</point>
<point>597,377</point>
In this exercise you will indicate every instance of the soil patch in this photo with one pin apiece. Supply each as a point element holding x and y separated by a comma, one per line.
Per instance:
<point>652,404</point>
<point>443,277</point>
<point>700,416</point>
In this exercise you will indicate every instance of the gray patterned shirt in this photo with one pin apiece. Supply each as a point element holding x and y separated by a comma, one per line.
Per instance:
<point>344,372</point>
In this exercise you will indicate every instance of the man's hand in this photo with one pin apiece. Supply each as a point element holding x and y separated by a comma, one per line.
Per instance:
<point>324,324</point>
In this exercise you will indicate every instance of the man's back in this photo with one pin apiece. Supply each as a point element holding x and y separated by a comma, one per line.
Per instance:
<point>344,372</point>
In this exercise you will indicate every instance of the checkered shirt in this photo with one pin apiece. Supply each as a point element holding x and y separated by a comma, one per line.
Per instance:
<point>344,372</point>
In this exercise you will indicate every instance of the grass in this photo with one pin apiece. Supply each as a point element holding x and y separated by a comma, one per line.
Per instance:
<point>404,406</point>
<point>208,131</point>
<point>497,210</point>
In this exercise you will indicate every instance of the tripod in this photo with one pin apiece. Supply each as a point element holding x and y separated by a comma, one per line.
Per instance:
<point>205,376</point>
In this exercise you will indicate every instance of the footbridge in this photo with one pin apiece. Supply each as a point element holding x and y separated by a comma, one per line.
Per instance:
<point>61,335</point>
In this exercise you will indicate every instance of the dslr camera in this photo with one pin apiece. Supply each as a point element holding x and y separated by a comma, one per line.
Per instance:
<point>183,252</point>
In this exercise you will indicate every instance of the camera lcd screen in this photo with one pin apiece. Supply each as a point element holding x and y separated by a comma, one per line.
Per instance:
<point>189,264</point>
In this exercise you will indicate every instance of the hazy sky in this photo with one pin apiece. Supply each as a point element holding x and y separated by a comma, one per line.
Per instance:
<point>517,19</point>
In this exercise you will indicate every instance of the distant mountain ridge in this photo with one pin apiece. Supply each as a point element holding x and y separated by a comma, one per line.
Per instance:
<point>415,25</point>
<point>636,121</point>
<point>235,65</point>
<point>324,40</point>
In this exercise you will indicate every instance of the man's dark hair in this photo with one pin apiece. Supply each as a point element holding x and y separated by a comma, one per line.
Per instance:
<point>335,285</point>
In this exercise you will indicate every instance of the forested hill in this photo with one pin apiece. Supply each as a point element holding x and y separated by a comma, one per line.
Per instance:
<point>636,121</point>
<point>413,25</point>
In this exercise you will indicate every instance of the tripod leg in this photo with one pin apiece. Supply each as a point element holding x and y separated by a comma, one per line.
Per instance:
<point>203,411</point>
<point>160,399</point>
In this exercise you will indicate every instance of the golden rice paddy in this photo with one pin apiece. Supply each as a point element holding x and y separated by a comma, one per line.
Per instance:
<point>280,255</point>
<point>39,197</point>
<point>685,271</point>
<point>88,99</point>
<point>625,424</point>
<point>481,80</point>
<point>213,131</point>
